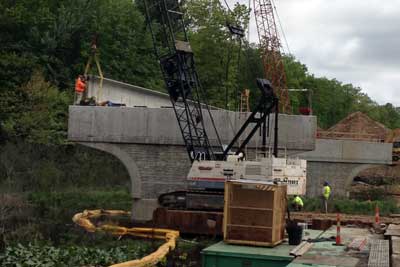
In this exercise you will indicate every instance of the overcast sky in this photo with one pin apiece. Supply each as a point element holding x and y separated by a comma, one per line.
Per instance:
<point>355,41</point>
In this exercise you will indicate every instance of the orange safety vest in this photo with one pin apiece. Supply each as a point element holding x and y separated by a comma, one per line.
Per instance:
<point>80,86</point>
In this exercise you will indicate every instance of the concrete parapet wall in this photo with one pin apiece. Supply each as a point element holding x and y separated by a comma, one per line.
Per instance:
<point>159,126</point>
<point>348,151</point>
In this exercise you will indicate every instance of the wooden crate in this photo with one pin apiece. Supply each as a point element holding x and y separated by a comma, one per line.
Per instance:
<point>254,213</point>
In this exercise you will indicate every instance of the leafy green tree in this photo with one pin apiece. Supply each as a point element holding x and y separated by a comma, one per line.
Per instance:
<point>55,37</point>
<point>126,48</point>
<point>42,113</point>
<point>215,49</point>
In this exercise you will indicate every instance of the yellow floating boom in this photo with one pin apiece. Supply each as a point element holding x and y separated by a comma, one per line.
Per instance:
<point>170,236</point>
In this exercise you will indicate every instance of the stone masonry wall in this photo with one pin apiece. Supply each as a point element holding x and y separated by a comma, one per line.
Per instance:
<point>157,169</point>
<point>162,168</point>
<point>339,175</point>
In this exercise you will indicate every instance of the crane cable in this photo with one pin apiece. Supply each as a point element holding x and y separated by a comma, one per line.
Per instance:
<point>227,5</point>
<point>248,24</point>
<point>95,57</point>
<point>229,56</point>
<point>280,26</point>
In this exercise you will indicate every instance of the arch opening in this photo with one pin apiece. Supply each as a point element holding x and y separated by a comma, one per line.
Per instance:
<point>127,162</point>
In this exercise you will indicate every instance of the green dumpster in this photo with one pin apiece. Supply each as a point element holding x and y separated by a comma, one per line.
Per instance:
<point>225,255</point>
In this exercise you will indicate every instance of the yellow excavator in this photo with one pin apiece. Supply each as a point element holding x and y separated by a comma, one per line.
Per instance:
<point>394,137</point>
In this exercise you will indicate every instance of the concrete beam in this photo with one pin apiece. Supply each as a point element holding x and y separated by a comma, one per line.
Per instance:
<point>159,126</point>
<point>130,95</point>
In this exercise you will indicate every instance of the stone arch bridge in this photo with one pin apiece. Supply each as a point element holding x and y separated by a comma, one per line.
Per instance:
<point>145,136</point>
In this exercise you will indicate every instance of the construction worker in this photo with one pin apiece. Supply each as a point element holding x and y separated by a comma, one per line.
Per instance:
<point>326,193</point>
<point>297,203</point>
<point>80,88</point>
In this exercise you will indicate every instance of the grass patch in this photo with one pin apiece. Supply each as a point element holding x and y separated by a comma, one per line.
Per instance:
<point>47,216</point>
<point>351,206</point>
<point>56,204</point>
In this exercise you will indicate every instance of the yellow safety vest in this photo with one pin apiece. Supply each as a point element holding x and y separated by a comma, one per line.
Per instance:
<point>327,191</point>
<point>297,200</point>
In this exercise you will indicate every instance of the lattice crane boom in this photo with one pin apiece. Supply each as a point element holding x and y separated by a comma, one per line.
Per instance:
<point>270,47</point>
<point>176,59</point>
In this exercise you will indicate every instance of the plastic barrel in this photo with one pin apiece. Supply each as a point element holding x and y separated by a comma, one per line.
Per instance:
<point>295,233</point>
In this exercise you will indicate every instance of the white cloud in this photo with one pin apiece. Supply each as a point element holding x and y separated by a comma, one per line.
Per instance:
<point>355,41</point>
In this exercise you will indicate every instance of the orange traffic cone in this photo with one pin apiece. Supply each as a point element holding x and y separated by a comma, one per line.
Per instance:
<point>377,218</point>
<point>338,238</point>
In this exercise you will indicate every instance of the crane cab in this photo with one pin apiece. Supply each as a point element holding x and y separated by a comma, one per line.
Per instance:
<point>211,175</point>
